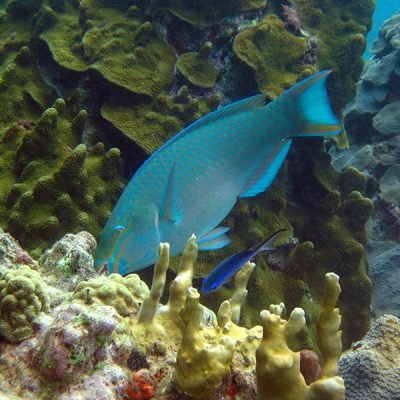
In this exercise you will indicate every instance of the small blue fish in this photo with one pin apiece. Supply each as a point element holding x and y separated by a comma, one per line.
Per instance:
<point>226,269</point>
<point>191,183</point>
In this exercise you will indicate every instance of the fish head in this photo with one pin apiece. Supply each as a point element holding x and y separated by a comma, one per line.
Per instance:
<point>209,285</point>
<point>127,245</point>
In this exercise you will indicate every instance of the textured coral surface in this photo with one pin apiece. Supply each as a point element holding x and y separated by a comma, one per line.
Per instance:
<point>111,338</point>
<point>131,74</point>
<point>371,368</point>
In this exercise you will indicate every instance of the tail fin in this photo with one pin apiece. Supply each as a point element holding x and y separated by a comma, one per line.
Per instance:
<point>308,100</point>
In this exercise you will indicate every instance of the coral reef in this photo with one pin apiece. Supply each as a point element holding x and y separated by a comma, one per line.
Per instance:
<point>126,52</point>
<point>340,27</point>
<point>197,68</point>
<point>206,12</point>
<point>341,214</point>
<point>109,348</point>
<point>278,367</point>
<point>151,123</point>
<point>23,296</point>
<point>117,60</point>
<point>370,369</point>
<point>51,183</point>
<point>274,54</point>
<point>371,120</point>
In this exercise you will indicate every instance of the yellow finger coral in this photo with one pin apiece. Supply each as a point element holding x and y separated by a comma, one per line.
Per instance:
<point>278,367</point>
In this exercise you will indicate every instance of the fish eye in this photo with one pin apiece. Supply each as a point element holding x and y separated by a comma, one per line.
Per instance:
<point>118,231</point>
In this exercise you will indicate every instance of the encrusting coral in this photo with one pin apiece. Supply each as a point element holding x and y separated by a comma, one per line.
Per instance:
<point>274,54</point>
<point>197,68</point>
<point>150,350</point>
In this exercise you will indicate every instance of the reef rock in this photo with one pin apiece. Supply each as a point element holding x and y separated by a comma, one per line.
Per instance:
<point>387,121</point>
<point>374,111</point>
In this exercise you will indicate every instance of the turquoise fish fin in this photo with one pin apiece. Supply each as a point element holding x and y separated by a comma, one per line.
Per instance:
<point>169,206</point>
<point>215,239</point>
<point>252,103</point>
<point>267,171</point>
<point>316,117</point>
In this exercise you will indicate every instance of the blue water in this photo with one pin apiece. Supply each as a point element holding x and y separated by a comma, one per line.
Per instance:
<point>384,9</point>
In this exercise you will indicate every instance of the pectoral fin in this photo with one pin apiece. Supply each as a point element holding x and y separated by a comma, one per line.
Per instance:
<point>214,239</point>
<point>169,209</point>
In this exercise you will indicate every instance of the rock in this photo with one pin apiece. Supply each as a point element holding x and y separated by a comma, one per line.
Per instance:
<point>387,121</point>
<point>390,185</point>
<point>379,71</point>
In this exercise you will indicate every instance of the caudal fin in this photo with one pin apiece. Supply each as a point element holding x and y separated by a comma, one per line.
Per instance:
<point>309,104</point>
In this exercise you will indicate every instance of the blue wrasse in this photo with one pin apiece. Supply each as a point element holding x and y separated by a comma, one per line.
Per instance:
<point>192,182</point>
<point>226,269</point>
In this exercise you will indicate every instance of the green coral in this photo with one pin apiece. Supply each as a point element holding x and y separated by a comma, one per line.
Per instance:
<point>341,27</point>
<point>337,231</point>
<point>23,92</point>
<point>275,55</point>
<point>152,122</point>
<point>22,9</point>
<point>23,296</point>
<point>127,52</point>
<point>352,179</point>
<point>197,68</point>
<point>52,184</point>
<point>124,294</point>
<point>206,12</point>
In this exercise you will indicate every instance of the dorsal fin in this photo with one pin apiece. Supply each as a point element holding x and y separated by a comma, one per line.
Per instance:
<point>267,171</point>
<point>251,103</point>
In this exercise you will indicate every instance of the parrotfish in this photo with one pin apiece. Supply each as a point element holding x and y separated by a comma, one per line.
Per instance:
<point>191,183</point>
<point>227,268</point>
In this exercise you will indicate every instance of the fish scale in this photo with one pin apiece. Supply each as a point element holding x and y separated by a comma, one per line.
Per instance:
<point>192,182</point>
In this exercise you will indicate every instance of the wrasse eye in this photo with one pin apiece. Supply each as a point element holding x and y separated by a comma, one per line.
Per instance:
<point>118,231</point>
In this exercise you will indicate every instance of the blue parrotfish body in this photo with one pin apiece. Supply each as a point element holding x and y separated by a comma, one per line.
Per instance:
<point>227,268</point>
<point>192,182</point>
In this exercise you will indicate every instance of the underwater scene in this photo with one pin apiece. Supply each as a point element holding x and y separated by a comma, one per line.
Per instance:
<point>199,199</point>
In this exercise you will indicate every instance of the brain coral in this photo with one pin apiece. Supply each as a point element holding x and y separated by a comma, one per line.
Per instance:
<point>124,294</point>
<point>371,369</point>
<point>23,296</point>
